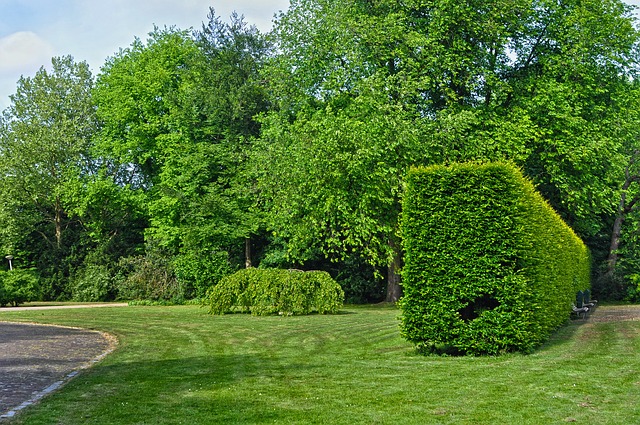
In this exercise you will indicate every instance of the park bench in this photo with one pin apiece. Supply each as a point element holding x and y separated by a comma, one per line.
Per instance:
<point>579,307</point>
<point>587,301</point>
<point>580,311</point>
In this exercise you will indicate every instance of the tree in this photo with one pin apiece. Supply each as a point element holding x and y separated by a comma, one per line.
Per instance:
<point>45,136</point>
<point>135,94</point>
<point>366,89</point>
<point>342,138</point>
<point>622,254</point>
<point>178,114</point>
<point>235,94</point>
<point>148,130</point>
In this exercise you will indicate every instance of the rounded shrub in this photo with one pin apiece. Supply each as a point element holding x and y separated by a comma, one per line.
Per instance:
<point>18,286</point>
<point>489,266</point>
<point>275,291</point>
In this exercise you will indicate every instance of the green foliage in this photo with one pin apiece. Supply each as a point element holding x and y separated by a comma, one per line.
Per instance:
<point>18,286</point>
<point>202,140</point>
<point>337,147</point>
<point>92,283</point>
<point>149,277</point>
<point>269,291</point>
<point>361,282</point>
<point>136,94</point>
<point>618,276</point>
<point>45,138</point>
<point>199,270</point>
<point>633,291</point>
<point>112,214</point>
<point>364,90</point>
<point>332,180</point>
<point>178,112</point>
<point>489,266</point>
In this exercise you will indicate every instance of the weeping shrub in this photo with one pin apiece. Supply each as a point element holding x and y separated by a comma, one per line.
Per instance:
<point>275,291</point>
<point>490,267</point>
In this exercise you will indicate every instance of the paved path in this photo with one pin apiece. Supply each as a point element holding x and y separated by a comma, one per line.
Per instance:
<point>37,359</point>
<point>616,313</point>
<point>56,307</point>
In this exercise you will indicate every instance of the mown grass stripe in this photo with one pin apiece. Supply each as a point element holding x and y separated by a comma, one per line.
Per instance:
<point>178,365</point>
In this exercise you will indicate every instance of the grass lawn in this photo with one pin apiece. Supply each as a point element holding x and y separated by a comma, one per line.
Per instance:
<point>179,365</point>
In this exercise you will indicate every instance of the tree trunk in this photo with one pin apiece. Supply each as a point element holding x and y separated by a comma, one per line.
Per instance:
<point>394,290</point>
<point>615,239</point>
<point>624,207</point>
<point>247,253</point>
<point>58,224</point>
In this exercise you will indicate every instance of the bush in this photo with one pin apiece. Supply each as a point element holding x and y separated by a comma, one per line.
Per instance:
<point>92,283</point>
<point>148,277</point>
<point>633,288</point>
<point>269,291</point>
<point>198,271</point>
<point>18,286</point>
<point>489,266</point>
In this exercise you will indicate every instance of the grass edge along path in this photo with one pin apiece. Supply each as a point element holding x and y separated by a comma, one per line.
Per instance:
<point>37,359</point>
<point>179,365</point>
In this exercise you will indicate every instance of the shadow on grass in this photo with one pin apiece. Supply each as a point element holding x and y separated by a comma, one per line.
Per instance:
<point>221,388</point>
<point>564,335</point>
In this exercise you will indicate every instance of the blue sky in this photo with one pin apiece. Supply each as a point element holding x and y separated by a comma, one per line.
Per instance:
<point>33,31</point>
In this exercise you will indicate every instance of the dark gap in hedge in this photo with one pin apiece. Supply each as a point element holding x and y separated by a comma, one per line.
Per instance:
<point>474,308</point>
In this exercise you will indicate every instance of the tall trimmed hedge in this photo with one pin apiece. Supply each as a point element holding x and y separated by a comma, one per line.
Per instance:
<point>490,267</point>
<point>270,291</point>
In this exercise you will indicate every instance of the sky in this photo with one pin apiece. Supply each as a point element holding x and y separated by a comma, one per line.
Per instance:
<point>34,31</point>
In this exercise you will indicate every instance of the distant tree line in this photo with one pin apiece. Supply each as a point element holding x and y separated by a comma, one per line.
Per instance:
<point>193,154</point>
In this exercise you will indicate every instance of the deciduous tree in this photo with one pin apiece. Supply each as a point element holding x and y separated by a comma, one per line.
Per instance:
<point>366,89</point>
<point>45,136</point>
<point>178,115</point>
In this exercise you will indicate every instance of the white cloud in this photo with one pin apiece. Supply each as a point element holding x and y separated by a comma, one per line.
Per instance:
<point>22,52</point>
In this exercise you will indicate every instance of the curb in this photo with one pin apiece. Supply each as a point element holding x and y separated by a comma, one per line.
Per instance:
<point>112,342</point>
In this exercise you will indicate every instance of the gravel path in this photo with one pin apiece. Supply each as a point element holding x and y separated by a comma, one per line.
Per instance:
<point>37,359</point>
<point>615,313</point>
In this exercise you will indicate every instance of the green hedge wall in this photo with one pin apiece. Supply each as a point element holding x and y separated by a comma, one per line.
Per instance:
<point>490,267</point>
<point>271,291</point>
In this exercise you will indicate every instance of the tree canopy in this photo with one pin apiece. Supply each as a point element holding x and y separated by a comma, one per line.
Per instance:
<point>44,143</point>
<point>199,152</point>
<point>365,90</point>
